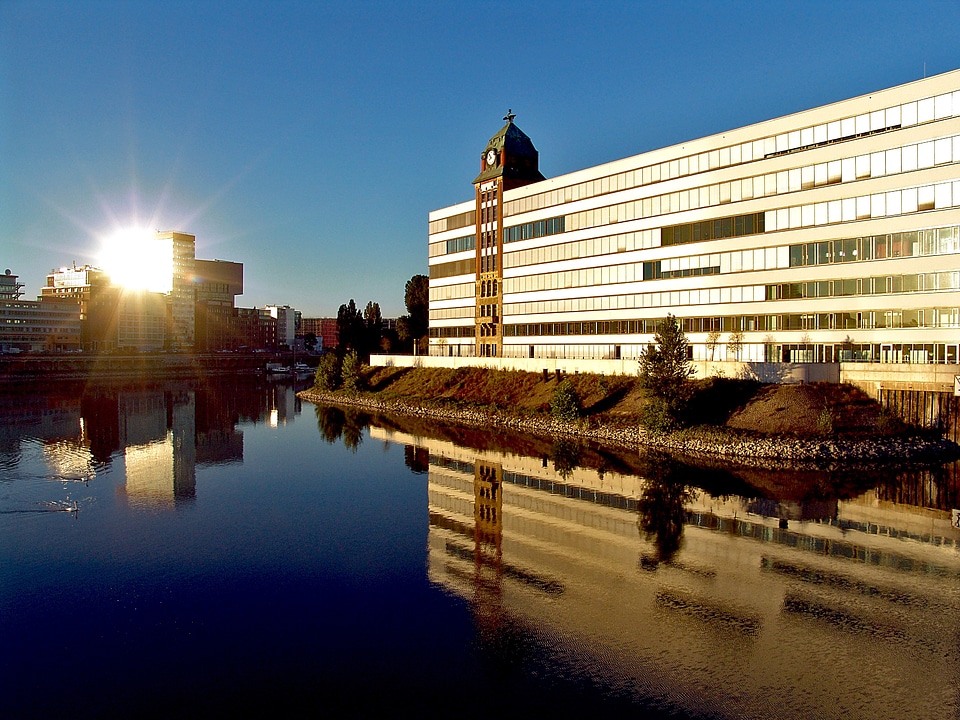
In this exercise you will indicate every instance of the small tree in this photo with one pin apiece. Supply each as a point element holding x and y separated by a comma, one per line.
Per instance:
<point>352,372</point>
<point>328,376</point>
<point>713,339</point>
<point>565,404</point>
<point>735,342</point>
<point>665,370</point>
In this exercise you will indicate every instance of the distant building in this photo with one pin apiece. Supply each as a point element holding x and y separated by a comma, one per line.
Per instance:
<point>217,284</point>
<point>286,318</point>
<point>9,287</point>
<point>86,285</point>
<point>50,325</point>
<point>258,328</point>
<point>324,328</point>
<point>181,298</point>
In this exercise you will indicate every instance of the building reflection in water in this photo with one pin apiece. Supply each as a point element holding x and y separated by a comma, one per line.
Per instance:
<point>796,605</point>
<point>161,432</point>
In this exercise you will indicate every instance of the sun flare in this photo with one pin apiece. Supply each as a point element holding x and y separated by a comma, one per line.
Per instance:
<point>138,260</point>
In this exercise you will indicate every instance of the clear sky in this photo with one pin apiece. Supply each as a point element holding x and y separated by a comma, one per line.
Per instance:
<point>309,140</point>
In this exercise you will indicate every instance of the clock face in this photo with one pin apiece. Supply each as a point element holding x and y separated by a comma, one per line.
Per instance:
<point>491,158</point>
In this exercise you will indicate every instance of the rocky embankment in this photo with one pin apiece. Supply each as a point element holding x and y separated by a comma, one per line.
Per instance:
<point>713,443</point>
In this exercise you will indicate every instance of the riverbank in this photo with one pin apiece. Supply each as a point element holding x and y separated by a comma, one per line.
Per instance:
<point>41,367</point>
<point>746,424</point>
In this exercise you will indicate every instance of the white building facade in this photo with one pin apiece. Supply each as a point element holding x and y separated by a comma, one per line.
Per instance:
<point>829,235</point>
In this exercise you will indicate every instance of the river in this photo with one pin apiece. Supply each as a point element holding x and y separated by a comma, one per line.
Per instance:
<point>220,548</point>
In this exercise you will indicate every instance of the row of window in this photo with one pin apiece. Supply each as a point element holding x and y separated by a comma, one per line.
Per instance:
<point>592,247</point>
<point>938,241</point>
<point>895,117</point>
<point>539,228</point>
<point>877,285</point>
<point>864,207</point>
<point>716,229</point>
<point>452,313</point>
<point>846,287</point>
<point>946,317</point>
<point>452,292</point>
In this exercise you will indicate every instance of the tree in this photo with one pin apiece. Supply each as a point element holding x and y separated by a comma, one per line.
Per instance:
<point>665,370</point>
<point>415,324</point>
<point>352,372</point>
<point>713,339</point>
<point>735,342</point>
<point>328,375</point>
<point>351,328</point>
<point>374,327</point>
<point>310,341</point>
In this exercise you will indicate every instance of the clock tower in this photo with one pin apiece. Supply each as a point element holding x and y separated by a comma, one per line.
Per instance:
<point>509,161</point>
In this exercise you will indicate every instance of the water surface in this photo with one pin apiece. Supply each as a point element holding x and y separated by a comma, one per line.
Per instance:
<point>221,549</point>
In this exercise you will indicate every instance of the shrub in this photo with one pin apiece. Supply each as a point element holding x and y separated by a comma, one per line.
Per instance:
<point>352,372</point>
<point>565,404</point>
<point>329,372</point>
<point>825,422</point>
<point>656,417</point>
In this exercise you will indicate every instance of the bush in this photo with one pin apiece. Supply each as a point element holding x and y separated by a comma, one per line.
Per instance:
<point>657,418</point>
<point>352,372</point>
<point>329,372</point>
<point>825,422</point>
<point>565,404</point>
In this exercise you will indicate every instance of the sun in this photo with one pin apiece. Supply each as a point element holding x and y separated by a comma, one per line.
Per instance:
<point>137,259</point>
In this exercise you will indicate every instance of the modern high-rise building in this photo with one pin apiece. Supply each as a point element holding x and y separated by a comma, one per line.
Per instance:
<point>217,284</point>
<point>182,253</point>
<point>831,234</point>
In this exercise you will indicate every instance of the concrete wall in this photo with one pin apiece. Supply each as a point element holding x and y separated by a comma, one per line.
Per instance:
<point>872,377</point>
<point>765,372</point>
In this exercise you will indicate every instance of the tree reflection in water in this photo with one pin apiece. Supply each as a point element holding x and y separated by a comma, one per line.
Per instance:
<point>565,454</point>
<point>662,509</point>
<point>346,424</point>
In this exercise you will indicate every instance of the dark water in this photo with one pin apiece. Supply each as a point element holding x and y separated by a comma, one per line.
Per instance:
<point>221,550</point>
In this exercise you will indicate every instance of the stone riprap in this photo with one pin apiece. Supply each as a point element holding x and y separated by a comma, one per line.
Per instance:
<point>737,448</point>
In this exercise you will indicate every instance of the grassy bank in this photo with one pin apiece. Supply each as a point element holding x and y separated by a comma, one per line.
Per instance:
<point>735,406</point>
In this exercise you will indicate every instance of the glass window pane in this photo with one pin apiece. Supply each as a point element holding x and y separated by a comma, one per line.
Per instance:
<point>908,114</point>
<point>925,110</point>
<point>893,116</point>
<point>820,134</point>
<point>943,106</point>
<point>893,161</point>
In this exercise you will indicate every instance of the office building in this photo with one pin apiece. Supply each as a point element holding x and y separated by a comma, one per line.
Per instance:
<point>48,325</point>
<point>216,285</point>
<point>287,322</point>
<point>10,289</point>
<point>828,235</point>
<point>181,298</point>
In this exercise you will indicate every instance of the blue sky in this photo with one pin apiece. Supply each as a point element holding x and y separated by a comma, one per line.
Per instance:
<point>310,140</point>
